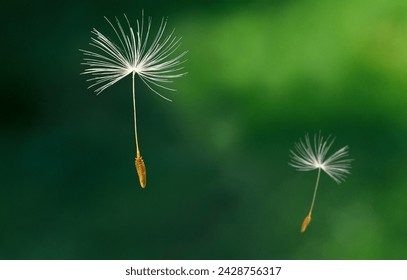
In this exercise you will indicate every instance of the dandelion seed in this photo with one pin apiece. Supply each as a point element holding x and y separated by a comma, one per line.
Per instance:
<point>308,157</point>
<point>153,60</point>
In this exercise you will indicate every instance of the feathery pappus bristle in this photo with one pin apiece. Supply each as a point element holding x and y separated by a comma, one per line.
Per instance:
<point>141,171</point>
<point>305,224</point>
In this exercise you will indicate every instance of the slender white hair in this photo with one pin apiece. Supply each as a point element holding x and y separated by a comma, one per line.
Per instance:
<point>307,157</point>
<point>152,59</point>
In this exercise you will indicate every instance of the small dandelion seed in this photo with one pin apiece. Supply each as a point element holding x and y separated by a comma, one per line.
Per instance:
<point>152,59</point>
<point>308,157</point>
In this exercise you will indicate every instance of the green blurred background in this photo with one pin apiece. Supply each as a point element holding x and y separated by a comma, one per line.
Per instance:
<point>261,75</point>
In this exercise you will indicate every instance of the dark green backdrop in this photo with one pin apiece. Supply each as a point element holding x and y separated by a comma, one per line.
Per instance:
<point>261,75</point>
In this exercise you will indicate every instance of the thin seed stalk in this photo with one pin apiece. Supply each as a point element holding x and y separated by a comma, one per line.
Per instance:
<point>307,219</point>
<point>139,162</point>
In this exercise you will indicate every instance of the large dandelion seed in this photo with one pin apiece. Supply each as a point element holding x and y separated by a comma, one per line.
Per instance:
<point>152,59</point>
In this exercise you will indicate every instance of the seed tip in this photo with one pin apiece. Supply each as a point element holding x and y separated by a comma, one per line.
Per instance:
<point>141,170</point>
<point>305,224</point>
